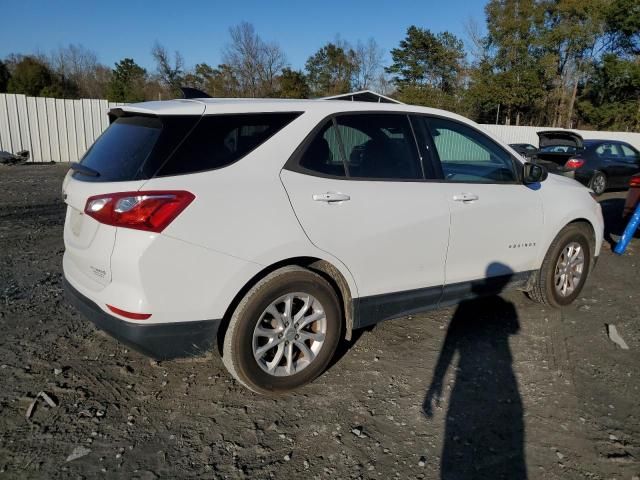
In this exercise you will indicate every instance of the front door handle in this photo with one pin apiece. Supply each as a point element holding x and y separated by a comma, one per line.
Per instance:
<point>331,197</point>
<point>465,197</point>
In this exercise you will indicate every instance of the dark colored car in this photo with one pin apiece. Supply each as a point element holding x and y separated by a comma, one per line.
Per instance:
<point>604,164</point>
<point>525,149</point>
<point>598,164</point>
<point>633,197</point>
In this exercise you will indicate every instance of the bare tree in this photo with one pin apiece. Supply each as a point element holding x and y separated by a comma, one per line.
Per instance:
<point>80,66</point>
<point>254,63</point>
<point>368,64</point>
<point>170,73</point>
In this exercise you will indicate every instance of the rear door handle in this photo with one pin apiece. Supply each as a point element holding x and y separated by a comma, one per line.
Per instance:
<point>465,197</point>
<point>331,197</point>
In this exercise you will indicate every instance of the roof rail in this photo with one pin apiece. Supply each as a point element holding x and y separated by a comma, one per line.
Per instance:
<point>188,92</point>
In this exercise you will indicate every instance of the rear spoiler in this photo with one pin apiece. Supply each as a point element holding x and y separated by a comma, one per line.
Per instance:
<point>548,138</point>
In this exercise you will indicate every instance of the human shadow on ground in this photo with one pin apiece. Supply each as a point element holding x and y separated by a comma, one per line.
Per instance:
<point>484,427</point>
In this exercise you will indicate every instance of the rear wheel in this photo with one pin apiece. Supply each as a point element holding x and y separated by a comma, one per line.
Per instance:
<point>564,269</point>
<point>598,183</point>
<point>284,332</point>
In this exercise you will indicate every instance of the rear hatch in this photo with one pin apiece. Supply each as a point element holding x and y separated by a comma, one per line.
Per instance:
<point>122,159</point>
<point>556,147</point>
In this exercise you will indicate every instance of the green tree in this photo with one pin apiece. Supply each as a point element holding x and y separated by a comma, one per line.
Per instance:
<point>515,72</point>
<point>4,77</point>
<point>622,19</point>
<point>330,69</point>
<point>611,100</point>
<point>30,76</point>
<point>428,68</point>
<point>127,82</point>
<point>293,84</point>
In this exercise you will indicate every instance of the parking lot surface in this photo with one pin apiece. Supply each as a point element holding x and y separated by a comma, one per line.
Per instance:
<point>496,388</point>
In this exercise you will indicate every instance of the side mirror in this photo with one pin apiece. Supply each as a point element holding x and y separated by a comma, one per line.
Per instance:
<point>533,173</point>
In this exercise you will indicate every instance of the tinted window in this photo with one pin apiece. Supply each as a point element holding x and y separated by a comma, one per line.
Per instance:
<point>219,140</point>
<point>121,151</point>
<point>379,146</point>
<point>467,155</point>
<point>323,155</point>
<point>559,149</point>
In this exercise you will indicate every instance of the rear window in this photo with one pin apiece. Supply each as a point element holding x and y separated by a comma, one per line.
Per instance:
<point>141,147</point>
<point>119,153</point>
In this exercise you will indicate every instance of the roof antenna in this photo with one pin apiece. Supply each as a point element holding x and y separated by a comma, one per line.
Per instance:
<point>188,92</point>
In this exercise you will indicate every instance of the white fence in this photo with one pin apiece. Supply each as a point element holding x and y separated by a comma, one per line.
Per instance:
<point>52,129</point>
<point>61,130</point>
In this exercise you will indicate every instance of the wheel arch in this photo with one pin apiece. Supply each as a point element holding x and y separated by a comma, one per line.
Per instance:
<point>320,266</point>
<point>591,237</point>
<point>575,221</point>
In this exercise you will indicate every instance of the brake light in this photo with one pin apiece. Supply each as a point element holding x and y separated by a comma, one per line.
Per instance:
<point>574,163</point>
<point>635,181</point>
<point>124,313</point>
<point>151,211</point>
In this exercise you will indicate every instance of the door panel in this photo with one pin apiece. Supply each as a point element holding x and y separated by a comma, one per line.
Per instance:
<point>496,222</point>
<point>391,235</point>
<point>498,234</point>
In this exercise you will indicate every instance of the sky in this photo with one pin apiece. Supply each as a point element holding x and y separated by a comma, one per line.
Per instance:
<point>200,29</point>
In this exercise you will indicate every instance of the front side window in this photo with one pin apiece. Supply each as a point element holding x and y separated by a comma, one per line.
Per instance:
<point>379,146</point>
<point>468,156</point>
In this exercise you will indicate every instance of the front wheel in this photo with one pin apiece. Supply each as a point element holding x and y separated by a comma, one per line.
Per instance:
<point>564,269</point>
<point>284,332</point>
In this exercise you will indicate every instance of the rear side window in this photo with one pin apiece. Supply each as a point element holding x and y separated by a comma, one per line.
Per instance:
<point>119,153</point>
<point>219,140</point>
<point>366,146</point>
<point>608,150</point>
<point>379,146</point>
<point>323,153</point>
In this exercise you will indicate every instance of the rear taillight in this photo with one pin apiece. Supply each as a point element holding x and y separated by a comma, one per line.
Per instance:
<point>634,182</point>
<point>151,211</point>
<point>131,315</point>
<point>573,163</point>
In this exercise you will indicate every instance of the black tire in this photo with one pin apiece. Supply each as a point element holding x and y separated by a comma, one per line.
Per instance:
<point>237,351</point>
<point>542,283</point>
<point>598,183</point>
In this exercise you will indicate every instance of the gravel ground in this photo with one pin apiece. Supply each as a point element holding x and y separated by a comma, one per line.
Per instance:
<point>497,388</point>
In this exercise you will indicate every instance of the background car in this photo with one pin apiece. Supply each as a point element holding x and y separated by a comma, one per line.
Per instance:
<point>604,164</point>
<point>633,197</point>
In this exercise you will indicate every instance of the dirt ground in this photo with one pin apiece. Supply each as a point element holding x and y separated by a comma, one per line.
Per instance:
<point>498,388</point>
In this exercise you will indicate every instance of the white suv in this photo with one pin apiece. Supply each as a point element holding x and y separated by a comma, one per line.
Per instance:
<point>272,229</point>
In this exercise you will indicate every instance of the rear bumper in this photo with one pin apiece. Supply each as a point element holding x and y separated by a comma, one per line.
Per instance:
<point>161,341</point>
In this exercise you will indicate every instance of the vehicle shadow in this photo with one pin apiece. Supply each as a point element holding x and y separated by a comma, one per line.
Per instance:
<point>613,222</point>
<point>484,427</point>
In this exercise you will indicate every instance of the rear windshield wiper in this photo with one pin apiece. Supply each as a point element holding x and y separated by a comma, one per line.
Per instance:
<point>84,170</point>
